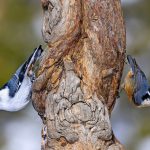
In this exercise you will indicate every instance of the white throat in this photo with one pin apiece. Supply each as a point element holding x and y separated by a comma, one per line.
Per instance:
<point>4,94</point>
<point>145,103</point>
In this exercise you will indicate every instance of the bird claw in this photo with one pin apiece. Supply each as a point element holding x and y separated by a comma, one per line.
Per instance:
<point>33,77</point>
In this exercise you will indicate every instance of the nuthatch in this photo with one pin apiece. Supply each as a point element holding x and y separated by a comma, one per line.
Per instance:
<point>136,85</point>
<point>15,94</point>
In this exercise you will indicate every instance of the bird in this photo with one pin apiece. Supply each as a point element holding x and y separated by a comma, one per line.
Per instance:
<point>136,84</point>
<point>16,93</point>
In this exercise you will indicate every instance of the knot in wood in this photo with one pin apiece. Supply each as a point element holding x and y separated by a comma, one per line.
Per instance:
<point>82,111</point>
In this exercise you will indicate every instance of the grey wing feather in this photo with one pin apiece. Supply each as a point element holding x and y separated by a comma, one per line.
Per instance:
<point>13,85</point>
<point>139,76</point>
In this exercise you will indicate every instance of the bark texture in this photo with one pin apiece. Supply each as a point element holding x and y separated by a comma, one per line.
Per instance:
<point>80,73</point>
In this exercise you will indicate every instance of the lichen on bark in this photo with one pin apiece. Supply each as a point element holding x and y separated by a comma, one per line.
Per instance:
<point>80,73</point>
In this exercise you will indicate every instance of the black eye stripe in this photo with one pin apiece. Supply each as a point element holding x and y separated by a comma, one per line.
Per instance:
<point>145,96</point>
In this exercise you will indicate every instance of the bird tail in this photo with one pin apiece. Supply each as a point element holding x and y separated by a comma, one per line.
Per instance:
<point>27,65</point>
<point>139,75</point>
<point>132,63</point>
<point>33,59</point>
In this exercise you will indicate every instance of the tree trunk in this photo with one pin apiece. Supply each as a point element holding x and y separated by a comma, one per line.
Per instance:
<point>79,74</point>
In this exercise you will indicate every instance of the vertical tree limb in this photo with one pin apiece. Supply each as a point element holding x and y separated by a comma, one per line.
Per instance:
<point>80,73</point>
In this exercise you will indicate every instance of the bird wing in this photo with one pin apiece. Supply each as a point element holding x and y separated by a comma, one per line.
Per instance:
<point>13,85</point>
<point>139,76</point>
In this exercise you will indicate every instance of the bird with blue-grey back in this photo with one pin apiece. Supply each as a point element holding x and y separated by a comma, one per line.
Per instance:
<point>136,84</point>
<point>16,93</point>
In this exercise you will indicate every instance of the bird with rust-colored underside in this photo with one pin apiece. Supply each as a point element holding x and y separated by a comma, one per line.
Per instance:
<point>136,85</point>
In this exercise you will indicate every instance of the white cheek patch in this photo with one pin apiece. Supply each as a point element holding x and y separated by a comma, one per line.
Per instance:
<point>4,95</point>
<point>145,103</point>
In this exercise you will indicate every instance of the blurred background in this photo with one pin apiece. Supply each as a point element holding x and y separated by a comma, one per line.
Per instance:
<point>20,33</point>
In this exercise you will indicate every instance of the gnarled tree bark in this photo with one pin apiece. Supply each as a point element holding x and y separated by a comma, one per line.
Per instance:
<point>80,72</point>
